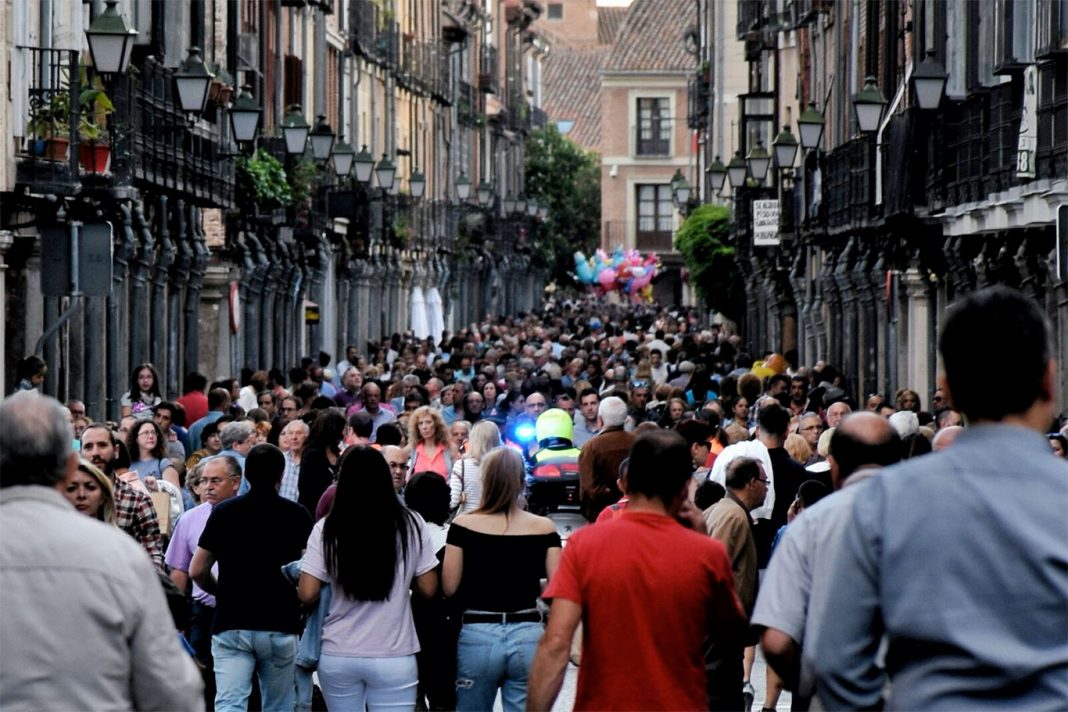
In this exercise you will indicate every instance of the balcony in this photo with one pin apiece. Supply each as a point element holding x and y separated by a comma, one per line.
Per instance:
<point>849,188</point>
<point>697,93</point>
<point>488,68</point>
<point>47,159</point>
<point>750,17</point>
<point>906,163</point>
<point>538,118</point>
<point>652,234</point>
<point>373,36</point>
<point>468,111</point>
<point>162,150</point>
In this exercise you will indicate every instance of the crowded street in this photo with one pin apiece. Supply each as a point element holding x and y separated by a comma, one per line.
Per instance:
<point>422,355</point>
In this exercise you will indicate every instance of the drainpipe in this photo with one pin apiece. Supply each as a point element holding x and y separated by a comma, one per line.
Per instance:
<point>139,294</point>
<point>180,271</point>
<point>124,252</point>
<point>167,252</point>
<point>199,262</point>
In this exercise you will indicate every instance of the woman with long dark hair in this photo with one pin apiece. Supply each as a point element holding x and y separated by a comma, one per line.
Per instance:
<point>495,559</point>
<point>148,454</point>
<point>370,549</point>
<point>144,395</point>
<point>318,465</point>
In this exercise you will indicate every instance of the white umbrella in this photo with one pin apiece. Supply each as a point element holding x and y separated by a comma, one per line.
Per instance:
<point>419,325</point>
<point>435,312</point>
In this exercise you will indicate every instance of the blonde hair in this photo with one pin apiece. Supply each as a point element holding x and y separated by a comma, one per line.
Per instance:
<point>106,513</point>
<point>797,448</point>
<point>502,481</point>
<point>484,437</point>
<point>441,432</point>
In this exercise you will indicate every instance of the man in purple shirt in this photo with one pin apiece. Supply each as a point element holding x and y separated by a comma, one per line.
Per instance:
<point>220,481</point>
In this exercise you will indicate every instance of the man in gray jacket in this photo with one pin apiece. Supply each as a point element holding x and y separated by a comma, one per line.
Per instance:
<point>83,621</point>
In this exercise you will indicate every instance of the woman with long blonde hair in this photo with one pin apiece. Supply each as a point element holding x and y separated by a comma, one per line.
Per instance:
<point>495,559</point>
<point>466,480</point>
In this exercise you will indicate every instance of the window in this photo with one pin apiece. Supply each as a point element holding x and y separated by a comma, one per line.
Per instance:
<point>1014,34</point>
<point>555,11</point>
<point>654,127</point>
<point>655,217</point>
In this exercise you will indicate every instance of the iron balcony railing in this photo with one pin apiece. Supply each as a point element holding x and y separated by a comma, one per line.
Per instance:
<point>650,234</point>
<point>48,154</point>
<point>488,69</point>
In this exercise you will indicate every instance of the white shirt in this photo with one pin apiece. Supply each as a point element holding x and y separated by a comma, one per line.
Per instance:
<point>758,451</point>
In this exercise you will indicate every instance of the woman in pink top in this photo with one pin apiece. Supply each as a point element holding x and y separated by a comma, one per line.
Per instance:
<point>431,450</point>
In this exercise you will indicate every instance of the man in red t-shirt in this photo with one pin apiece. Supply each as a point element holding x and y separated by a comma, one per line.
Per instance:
<point>649,592</point>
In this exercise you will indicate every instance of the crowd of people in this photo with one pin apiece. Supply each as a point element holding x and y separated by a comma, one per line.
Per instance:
<point>356,533</point>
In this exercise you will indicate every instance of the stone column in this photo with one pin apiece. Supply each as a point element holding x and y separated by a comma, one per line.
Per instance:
<point>912,349</point>
<point>214,336</point>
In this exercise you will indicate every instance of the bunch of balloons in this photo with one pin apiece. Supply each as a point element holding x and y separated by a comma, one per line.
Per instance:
<point>625,271</point>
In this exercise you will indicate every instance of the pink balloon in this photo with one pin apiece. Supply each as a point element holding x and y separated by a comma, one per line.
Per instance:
<point>607,278</point>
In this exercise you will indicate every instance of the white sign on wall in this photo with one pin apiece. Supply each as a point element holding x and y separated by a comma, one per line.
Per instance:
<point>765,223</point>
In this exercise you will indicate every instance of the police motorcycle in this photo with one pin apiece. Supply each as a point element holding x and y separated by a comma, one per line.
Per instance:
<point>552,481</point>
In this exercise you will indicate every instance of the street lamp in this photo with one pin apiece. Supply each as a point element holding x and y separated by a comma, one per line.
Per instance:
<point>717,174</point>
<point>485,193</point>
<point>385,171</point>
<point>929,82</point>
<point>521,204</point>
<point>295,130</point>
<point>110,41</point>
<point>785,147</point>
<point>810,126</point>
<point>759,161</point>
<point>543,211</point>
<point>736,171</point>
<point>508,203</point>
<point>682,192</point>
<point>364,163</point>
<point>192,82</point>
<point>532,207</point>
<point>245,116</point>
<point>463,187</point>
<point>343,157</point>
<point>869,104</point>
<point>322,139</point>
<point>417,184</point>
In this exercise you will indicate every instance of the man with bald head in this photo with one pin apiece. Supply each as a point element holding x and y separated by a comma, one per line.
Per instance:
<point>790,604</point>
<point>945,437</point>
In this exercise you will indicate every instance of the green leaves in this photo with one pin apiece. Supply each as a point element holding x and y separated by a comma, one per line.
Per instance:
<point>264,178</point>
<point>567,179</point>
<point>713,271</point>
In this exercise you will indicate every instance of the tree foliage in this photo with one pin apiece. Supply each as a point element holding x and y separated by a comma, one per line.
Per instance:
<point>567,179</point>
<point>713,271</point>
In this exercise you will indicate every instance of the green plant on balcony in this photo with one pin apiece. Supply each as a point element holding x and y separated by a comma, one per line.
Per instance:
<point>303,179</point>
<point>94,107</point>
<point>262,177</point>
<point>403,232</point>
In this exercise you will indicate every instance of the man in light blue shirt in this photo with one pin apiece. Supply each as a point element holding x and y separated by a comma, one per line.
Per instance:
<point>961,557</point>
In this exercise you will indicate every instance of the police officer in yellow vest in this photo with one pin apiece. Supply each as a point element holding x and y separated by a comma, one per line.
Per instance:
<point>553,481</point>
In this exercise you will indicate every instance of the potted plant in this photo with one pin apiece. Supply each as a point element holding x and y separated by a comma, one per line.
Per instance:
<point>94,152</point>
<point>48,130</point>
<point>222,86</point>
<point>262,178</point>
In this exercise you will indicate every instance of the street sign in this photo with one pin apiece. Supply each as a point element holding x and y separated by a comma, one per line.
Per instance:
<point>765,223</point>
<point>94,259</point>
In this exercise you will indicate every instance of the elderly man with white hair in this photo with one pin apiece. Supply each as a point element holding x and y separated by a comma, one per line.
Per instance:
<point>601,456</point>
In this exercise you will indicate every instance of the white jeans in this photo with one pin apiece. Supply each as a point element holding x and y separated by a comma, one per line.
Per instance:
<point>380,683</point>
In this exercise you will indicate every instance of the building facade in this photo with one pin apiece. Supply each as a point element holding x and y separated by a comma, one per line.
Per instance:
<point>881,227</point>
<point>211,268</point>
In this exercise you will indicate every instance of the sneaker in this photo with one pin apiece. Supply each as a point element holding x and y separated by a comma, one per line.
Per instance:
<point>748,694</point>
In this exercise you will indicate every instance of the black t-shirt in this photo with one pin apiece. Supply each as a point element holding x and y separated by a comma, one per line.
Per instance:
<point>501,572</point>
<point>252,537</point>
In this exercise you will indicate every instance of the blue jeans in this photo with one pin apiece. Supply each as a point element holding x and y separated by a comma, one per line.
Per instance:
<point>491,656</point>
<point>269,654</point>
<point>377,683</point>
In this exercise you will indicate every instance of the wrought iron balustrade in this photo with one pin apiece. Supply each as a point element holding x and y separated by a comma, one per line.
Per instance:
<point>45,86</point>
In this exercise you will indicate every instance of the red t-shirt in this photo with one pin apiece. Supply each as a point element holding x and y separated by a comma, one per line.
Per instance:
<point>651,591</point>
<point>196,406</point>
